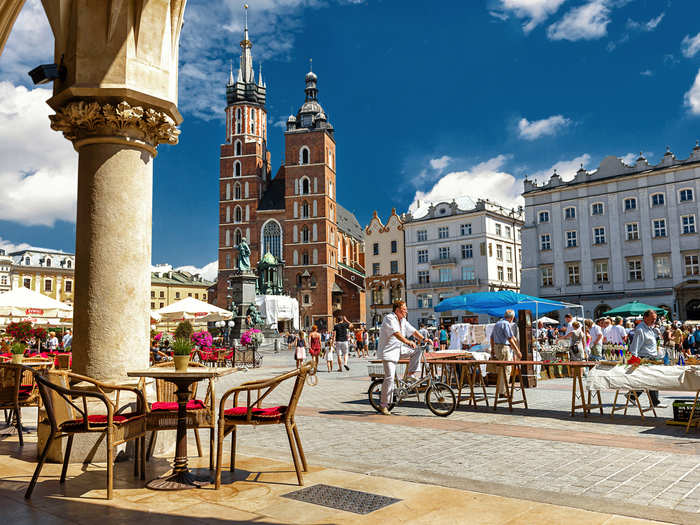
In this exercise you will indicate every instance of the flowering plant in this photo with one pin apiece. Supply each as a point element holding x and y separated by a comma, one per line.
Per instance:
<point>158,337</point>
<point>202,339</point>
<point>39,332</point>
<point>19,331</point>
<point>252,337</point>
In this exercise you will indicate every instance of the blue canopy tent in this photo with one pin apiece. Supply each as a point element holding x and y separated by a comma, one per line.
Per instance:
<point>496,303</point>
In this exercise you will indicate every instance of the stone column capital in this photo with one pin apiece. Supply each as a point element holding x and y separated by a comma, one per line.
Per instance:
<point>90,121</point>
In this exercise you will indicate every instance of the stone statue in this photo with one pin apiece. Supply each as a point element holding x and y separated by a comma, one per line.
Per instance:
<point>255,317</point>
<point>243,263</point>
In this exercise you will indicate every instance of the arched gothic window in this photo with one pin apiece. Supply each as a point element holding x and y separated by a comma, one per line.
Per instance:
<point>228,191</point>
<point>272,239</point>
<point>69,263</point>
<point>252,121</point>
<point>305,258</point>
<point>238,121</point>
<point>305,188</point>
<point>238,214</point>
<point>304,155</point>
<point>305,210</point>
<point>238,148</point>
<point>237,169</point>
<point>236,191</point>
<point>305,234</point>
<point>237,236</point>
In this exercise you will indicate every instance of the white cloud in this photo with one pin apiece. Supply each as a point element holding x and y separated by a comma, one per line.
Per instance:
<point>647,73</point>
<point>650,25</point>
<point>30,43</point>
<point>692,97</point>
<point>540,128</point>
<point>565,168</point>
<point>586,22</point>
<point>690,45</point>
<point>486,180</point>
<point>10,247</point>
<point>208,271</point>
<point>630,159</point>
<point>537,11</point>
<point>38,174</point>
<point>499,14</point>
<point>440,163</point>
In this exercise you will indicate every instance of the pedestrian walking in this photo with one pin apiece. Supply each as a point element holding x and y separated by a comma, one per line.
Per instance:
<point>300,354</point>
<point>340,338</point>
<point>504,346</point>
<point>443,337</point>
<point>314,344</point>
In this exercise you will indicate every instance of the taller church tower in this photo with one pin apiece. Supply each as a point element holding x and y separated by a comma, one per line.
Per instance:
<point>244,162</point>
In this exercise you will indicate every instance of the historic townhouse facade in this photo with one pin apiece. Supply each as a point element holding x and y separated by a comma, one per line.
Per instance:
<point>48,272</point>
<point>459,247</point>
<point>386,269</point>
<point>617,234</point>
<point>5,269</point>
<point>295,215</point>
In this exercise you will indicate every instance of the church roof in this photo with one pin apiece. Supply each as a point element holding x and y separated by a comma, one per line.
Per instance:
<point>348,223</point>
<point>273,198</point>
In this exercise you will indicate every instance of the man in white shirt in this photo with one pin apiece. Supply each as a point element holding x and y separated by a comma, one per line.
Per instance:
<point>568,319</point>
<point>596,333</point>
<point>617,334</point>
<point>394,345</point>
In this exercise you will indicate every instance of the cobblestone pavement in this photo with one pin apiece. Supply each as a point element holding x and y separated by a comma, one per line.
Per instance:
<point>624,465</point>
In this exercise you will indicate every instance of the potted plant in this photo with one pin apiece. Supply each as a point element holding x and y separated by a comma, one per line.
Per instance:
<point>182,348</point>
<point>17,350</point>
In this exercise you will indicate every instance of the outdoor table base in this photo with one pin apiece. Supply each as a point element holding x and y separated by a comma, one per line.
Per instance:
<point>632,397</point>
<point>577,391</point>
<point>692,420</point>
<point>472,373</point>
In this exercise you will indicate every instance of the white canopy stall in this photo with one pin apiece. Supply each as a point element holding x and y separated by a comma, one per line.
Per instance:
<point>274,308</point>
<point>191,309</point>
<point>23,304</point>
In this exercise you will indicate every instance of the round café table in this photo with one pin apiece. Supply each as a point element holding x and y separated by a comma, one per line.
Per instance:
<point>180,478</point>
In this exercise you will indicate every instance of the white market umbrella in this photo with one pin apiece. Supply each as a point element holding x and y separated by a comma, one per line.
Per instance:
<point>547,320</point>
<point>23,302</point>
<point>155,317</point>
<point>193,309</point>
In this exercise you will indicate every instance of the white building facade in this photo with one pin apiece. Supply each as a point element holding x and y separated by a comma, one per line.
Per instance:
<point>455,248</point>
<point>616,234</point>
<point>5,269</point>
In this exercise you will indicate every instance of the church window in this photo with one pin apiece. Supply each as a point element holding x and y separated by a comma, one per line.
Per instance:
<point>330,190</point>
<point>315,209</point>
<point>228,191</point>
<point>304,155</point>
<point>295,261</point>
<point>228,213</point>
<point>237,169</point>
<point>252,121</point>
<point>305,234</point>
<point>236,191</point>
<point>314,230</point>
<point>272,239</point>
<point>295,234</point>
<point>315,256</point>
<point>330,159</point>
<point>238,214</point>
<point>238,121</point>
<point>305,210</point>
<point>238,148</point>
<point>246,190</point>
<point>305,258</point>
<point>315,184</point>
<point>237,236</point>
<point>228,260</point>
<point>332,214</point>
<point>228,238</point>
<point>296,209</point>
<point>304,189</point>
<point>247,212</point>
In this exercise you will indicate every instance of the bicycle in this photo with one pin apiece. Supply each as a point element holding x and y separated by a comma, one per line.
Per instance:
<point>439,396</point>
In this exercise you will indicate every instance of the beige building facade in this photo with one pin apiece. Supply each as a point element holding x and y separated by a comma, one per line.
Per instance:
<point>50,273</point>
<point>170,287</point>
<point>385,265</point>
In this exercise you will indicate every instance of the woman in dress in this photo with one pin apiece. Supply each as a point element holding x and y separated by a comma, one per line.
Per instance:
<point>300,354</point>
<point>315,344</point>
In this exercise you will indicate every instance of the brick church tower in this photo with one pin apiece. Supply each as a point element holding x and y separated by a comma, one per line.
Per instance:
<point>293,216</point>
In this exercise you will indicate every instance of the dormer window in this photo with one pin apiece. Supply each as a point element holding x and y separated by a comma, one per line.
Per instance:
<point>69,264</point>
<point>27,261</point>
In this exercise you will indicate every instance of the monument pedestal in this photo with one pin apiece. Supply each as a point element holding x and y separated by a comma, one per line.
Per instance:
<point>243,295</point>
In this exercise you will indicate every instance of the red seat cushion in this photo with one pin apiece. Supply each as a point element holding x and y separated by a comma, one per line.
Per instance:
<point>98,420</point>
<point>25,391</point>
<point>256,413</point>
<point>193,404</point>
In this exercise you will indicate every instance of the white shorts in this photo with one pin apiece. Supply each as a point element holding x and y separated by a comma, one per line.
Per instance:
<point>342,348</point>
<point>329,353</point>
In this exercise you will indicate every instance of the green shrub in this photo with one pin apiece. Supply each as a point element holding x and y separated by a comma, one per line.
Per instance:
<point>184,330</point>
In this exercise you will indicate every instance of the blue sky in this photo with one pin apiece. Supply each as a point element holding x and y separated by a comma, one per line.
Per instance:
<point>430,99</point>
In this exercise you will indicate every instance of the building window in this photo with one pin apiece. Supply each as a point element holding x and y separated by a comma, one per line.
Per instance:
<point>570,213</point>
<point>509,254</point>
<point>422,256</point>
<point>377,295</point>
<point>546,274</point>
<point>375,268</point>
<point>467,252</point>
<point>27,283</point>
<point>47,285</point>
<point>662,267</point>
<point>468,274</point>
<point>304,155</point>
<point>239,148</point>
<point>394,247</point>
<point>177,295</point>
<point>659,227</point>
<point>237,237</point>
<point>69,264</point>
<point>305,258</point>
<point>305,186</point>
<point>687,223</point>
<point>153,306</point>
<point>161,295</point>
<point>162,305</point>
<point>510,274</point>
<point>465,229</point>
<point>238,214</point>
<point>574,274</point>
<point>48,262</point>
<point>597,208</point>
<point>685,195</point>
<point>601,271</point>
<point>425,301</point>
<point>634,269</point>
<point>443,232</point>
<point>545,242</point>
<point>445,275</point>
<point>305,234</point>
<point>228,260</point>
<point>237,191</point>
<point>508,231</point>
<point>692,267</point>
<point>444,252</point>
<point>498,230</point>
<point>632,229</point>
<point>499,273</point>
<point>394,265</point>
<point>543,216</point>
<point>423,277</point>
<point>272,239</point>
<point>237,169</point>
<point>27,261</point>
<point>630,204</point>
<point>658,199</point>
<point>490,250</point>
<point>375,248</point>
<point>571,239</point>
<point>422,235</point>
<point>599,235</point>
<point>307,299</point>
<point>305,210</point>
<point>499,252</point>
<point>68,286</point>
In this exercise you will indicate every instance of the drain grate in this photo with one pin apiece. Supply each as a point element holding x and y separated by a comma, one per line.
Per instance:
<point>342,499</point>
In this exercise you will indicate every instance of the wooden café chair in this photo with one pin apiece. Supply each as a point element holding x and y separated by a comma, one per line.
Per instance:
<point>11,393</point>
<point>250,412</point>
<point>69,412</point>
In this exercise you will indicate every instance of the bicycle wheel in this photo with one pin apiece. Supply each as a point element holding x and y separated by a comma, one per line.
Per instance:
<point>375,395</point>
<point>440,399</point>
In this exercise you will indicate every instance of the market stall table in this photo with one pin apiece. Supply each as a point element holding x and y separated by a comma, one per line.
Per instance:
<point>180,478</point>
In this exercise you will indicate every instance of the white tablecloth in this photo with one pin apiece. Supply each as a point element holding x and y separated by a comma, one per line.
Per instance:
<point>653,377</point>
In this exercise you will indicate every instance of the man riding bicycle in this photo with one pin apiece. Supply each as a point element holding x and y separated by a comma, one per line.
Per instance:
<point>393,337</point>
